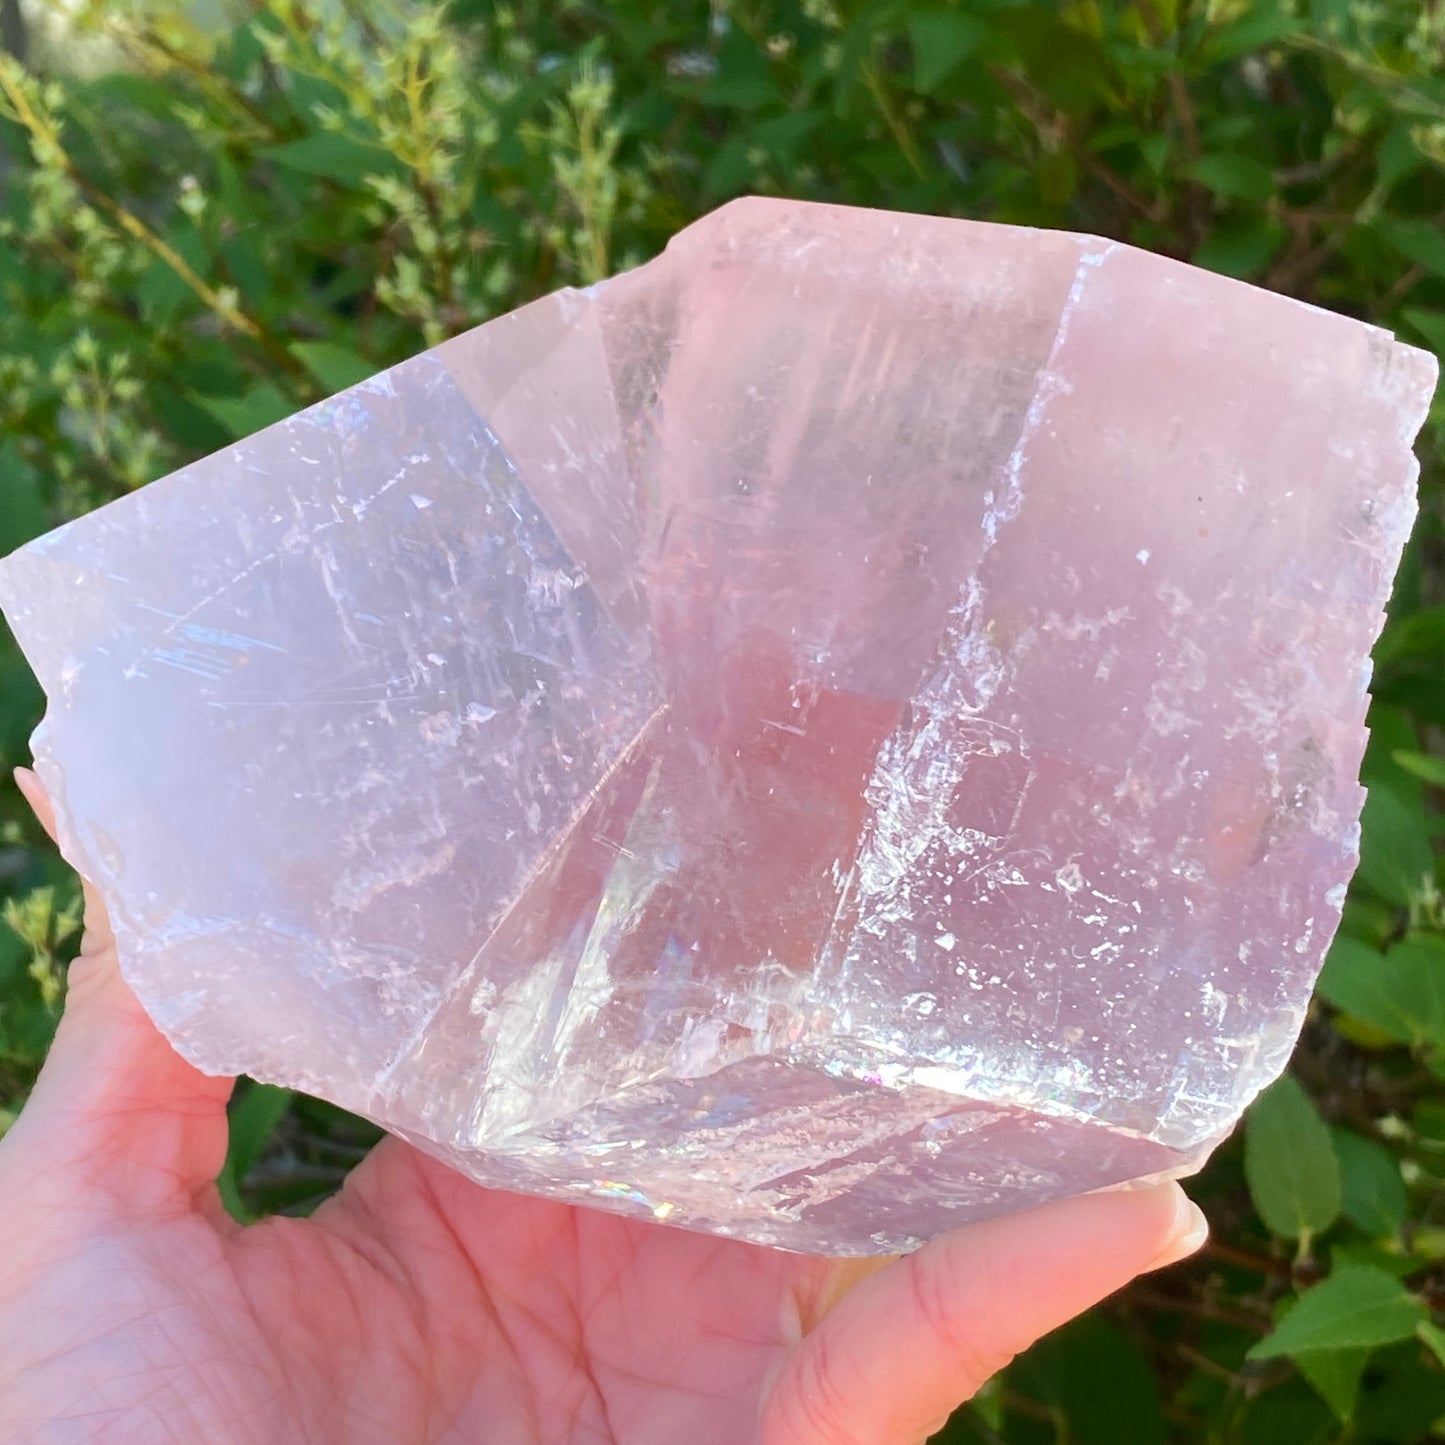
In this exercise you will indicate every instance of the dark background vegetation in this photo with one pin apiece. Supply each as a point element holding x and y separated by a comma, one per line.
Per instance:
<point>211,214</point>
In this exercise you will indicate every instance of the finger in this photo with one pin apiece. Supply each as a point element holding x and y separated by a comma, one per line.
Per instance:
<point>115,1106</point>
<point>97,936</point>
<point>910,1343</point>
<point>33,791</point>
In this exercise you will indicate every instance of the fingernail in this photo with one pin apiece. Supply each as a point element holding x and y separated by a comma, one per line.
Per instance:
<point>1190,1231</point>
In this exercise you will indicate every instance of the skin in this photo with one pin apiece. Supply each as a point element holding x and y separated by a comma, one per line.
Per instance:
<point>416,1308</point>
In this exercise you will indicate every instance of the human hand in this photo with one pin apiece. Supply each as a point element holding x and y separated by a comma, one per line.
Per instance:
<point>417,1307</point>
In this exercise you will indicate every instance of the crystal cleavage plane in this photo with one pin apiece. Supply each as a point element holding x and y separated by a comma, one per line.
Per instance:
<point>848,728</point>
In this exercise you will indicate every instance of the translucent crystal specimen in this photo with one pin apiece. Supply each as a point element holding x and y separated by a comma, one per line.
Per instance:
<point>847,729</point>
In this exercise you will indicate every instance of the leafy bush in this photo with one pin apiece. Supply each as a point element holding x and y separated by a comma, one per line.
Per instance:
<point>205,229</point>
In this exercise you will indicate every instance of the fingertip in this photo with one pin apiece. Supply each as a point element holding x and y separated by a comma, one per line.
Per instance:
<point>28,783</point>
<point>33,791</point>
<point>1189,1228</point>
<point>965,1304</point>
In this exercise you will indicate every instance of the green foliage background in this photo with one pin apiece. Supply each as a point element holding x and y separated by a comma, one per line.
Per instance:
<point>210,216</point>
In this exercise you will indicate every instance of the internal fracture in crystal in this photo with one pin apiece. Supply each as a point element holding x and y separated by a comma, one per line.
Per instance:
<point>849,728</point>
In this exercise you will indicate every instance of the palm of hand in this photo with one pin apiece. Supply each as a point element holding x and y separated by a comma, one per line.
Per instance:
<point>412,1308</point>
<point>416,1307</point>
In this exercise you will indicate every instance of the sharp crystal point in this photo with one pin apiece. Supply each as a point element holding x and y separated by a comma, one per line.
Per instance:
<point>849,728</point>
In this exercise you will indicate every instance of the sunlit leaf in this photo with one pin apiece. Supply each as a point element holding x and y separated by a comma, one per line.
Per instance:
<point>1289,1162</point>
<point>1372,1189</point>
<point>242,415</point>
<point>1401,992</point>
<point>941,39</point>
<point>335,367</point>
<point>1396,854</point>
<point>254,1114</point>
<point>1235,176</point>
<point>336,157</point>
<point>1336,1375</point>
<point>1356,1307</point>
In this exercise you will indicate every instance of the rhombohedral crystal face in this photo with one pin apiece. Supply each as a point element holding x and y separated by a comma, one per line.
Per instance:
<point>849,728</point>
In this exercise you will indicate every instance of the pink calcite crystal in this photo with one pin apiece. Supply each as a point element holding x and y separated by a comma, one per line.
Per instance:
<point>849,728</point>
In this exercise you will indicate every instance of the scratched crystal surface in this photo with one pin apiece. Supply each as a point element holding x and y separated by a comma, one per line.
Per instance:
<point>849,728</point>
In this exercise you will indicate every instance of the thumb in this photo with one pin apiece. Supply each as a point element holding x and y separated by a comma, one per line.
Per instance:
<point>905,1347</point>
<point>115,1106</point>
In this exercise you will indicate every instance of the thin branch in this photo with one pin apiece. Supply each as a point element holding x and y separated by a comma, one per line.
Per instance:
<point>899,131</point>
<point>1402,287</point>
<point>1199,1309</point>
<point>1031,106</point>
<point>42,131</point>
<point>141,47</point>
<point>1260,1263</point>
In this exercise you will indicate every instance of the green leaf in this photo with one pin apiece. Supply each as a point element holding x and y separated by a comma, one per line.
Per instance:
<point>1397,157</point>
<point>1372,1189</point>
<point>728,170</point>
<point>1433,1337</point>
<point>1396,854</point>
<point>1156,150</point>
<point>161,291</point>
<point>1065,1368</point>
<point>335,367</point>
<point>1419,241</point>
<point>188,423</point>
<point>1430,325</point>
<point>21,704</point>
<point>1258,26</point>
<point>241,51</point>
<point>1392,731</point>
<point>1403,1401</point>
<point>254,1114</point>
<point>1432,770</point>
<point>1289,1163</point>
<point>735,163</point>
<point>1241,246</point>
<point>1336,1375</point>
<point>1069,66</point>
<point>743,79</point>
<point>335,157</point>
<point>1408,593</point>
<point>1355,1308</point>
<point>133,93</point>
<point>24,513</point>
<point>1351,981</point>
<point>988,1403</point>
<point>1235,177</point>
<point>253,1119</point>
<point>1224,132</point>
<point>1290,1411</point>
<point>242,415</point>
<point>1368,919</point>
<point>247,269</point>
<point>1415,981</point>
<point>1371,1254</point>
<point>1421,634</point>
<point>940,40</point>
<point>1402,992</point>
